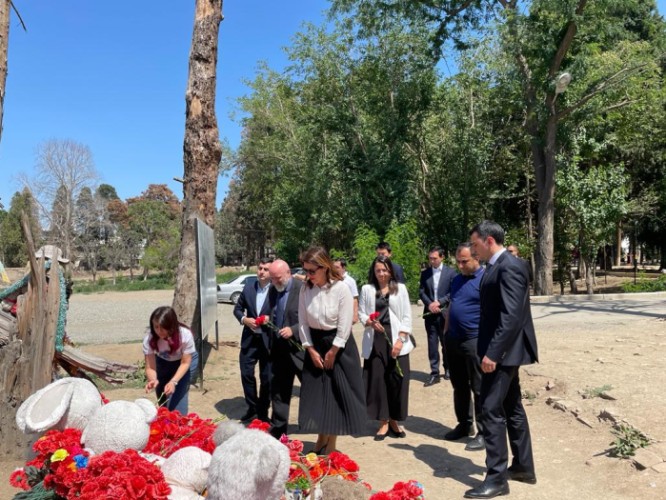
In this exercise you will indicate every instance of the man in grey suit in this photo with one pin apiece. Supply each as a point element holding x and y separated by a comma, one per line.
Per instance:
<point>286,358</point>
<point>506,342</point>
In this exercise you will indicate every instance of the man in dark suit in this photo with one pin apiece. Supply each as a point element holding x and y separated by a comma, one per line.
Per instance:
<point>434,286</point>
<point>384,249</point>
<point>255,345</point>
<point>286,358</point>
<point>506,342</point>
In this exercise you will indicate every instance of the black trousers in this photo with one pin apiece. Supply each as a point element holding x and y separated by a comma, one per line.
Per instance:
<point>465,368</point>
<point>248,358</point>
<point>502,412</point>
<point>434,326</point>
<point>283,371</point>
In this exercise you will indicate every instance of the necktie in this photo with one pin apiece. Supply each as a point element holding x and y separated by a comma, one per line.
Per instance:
<point>279,310</point>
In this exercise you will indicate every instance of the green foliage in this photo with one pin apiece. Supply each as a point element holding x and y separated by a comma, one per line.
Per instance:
<point>596,392</point>
<point>12,241</point>
<point>124,284</point>
<point>645,284</point>
<point>408,251</point>
<point>365,241</point>
<point>628,440</point>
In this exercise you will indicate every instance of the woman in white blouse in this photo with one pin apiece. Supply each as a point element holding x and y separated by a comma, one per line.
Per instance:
<point>332,401</point>
<point>385,311</point>
<point>168,347</point>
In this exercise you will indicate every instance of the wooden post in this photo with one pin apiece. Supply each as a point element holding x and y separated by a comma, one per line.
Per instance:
<point>26,362</point>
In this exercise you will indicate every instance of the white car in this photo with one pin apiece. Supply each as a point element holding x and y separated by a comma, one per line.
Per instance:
<point>231,290</point>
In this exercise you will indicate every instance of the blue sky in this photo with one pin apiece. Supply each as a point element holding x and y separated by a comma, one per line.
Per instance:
<point>112,75</point>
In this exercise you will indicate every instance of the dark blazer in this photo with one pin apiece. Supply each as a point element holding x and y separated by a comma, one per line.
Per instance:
<point>506,331</point>
<point>246,306</point>
<point>427,287</point>
<point>290,318</point>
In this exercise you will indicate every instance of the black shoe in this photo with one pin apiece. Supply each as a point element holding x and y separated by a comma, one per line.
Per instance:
<point>447,375</point>
<point>476,444</point>
<point>381,437</point>
<point>486,490</point>
<point>522,476</point>
<point>249,416</point>
<point>459,432</point>
<point>395,434</point>
<point>434,379</point>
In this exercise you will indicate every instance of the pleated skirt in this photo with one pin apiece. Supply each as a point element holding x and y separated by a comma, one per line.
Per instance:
<point>333,401</point>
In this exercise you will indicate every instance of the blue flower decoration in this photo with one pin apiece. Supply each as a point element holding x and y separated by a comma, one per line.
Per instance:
<point>81,461</point>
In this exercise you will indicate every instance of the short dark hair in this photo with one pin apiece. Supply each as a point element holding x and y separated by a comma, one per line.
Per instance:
<point>465,244</point>
<point>489,228</point>
<point>437,249</point>
<point>342,261</point>
<point>382,245</point>
<point>266,260</point>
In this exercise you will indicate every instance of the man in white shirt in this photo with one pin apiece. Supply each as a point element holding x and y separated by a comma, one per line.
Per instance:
<point>255,343</point>
<point>341,266</point>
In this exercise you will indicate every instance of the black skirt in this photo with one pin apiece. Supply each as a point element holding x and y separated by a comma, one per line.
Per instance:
<point>332,401</point>
<point>386,392</point>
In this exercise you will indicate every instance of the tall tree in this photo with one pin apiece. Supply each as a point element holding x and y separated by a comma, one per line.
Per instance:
<point>63,169</point>
<point>550,41</point>
<point>202,151</point>
<point>12,242</point>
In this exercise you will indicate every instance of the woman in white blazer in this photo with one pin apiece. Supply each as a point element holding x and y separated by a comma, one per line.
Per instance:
<point>385,311</point>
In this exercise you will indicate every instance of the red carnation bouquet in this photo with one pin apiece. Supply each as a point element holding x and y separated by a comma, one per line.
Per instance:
<point>171,431</point>
<point>58,456</point>
<point>263,320</point>
<point>124,475</point>
<point>374,317</point>
<point>410,490</point>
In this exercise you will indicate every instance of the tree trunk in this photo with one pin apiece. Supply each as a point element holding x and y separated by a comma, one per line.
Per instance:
<point>202,151</point>
<point>618,245</point>
<point>26,363</point>
<point>589,280</point>
<point>544,170</point>
<point>5,7</point>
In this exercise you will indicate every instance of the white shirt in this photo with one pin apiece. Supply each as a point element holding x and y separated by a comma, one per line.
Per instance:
<point>495,256</point>
<point>186,346</point>
<point>436,273</point>
<point>351,283</point>
<point>329,307</point>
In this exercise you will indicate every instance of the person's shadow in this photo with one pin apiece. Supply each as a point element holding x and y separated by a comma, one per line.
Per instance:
<point>425,426</point>
<point>444,464</point>
<point>233,408</point>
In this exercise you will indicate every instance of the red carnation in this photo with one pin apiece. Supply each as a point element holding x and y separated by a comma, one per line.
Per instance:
<point>374,316</point>
<point>261,320</point>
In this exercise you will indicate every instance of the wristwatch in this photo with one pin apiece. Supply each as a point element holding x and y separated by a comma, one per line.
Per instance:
<point>404,338</point>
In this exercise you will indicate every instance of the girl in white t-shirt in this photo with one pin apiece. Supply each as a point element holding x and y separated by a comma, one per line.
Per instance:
<point>168,347</point>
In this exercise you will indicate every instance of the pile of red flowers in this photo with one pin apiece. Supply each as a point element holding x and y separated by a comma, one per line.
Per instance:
<point>171,431</point>
<point>58,456</point>
<point>401,491</point>
<point>118,475</point>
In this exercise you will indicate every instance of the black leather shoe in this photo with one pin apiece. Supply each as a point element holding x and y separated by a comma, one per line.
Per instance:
<point>447,375</point>
<point>522,476</point>
<point>381,437</point>
<point>395,434</point>
<point>476,444</point>
<point>458,432</point>
<point>249,416</point>
<point>434,379</point>
<point>486,490</point>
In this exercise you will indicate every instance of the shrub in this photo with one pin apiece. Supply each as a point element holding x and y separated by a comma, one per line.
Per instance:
<point>645,284</point>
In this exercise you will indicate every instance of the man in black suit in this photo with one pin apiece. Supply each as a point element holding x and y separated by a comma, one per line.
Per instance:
<point>506,342</point>
<point>434,286</point>
<point>255,343</point>
<point>384,249</point>
<point>286,358</point>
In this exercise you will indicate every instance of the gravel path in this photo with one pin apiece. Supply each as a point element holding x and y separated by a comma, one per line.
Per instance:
<point>115,317</point>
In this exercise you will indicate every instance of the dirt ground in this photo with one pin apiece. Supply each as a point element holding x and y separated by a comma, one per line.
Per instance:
<point>583,346</point>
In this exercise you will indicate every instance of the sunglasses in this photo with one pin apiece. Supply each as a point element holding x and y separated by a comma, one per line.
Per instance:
<point>312,272</point>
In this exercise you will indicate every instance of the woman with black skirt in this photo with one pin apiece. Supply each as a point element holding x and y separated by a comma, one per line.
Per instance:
<point>332,401</point>
<point>385,311</point>
<point>168,347</point>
